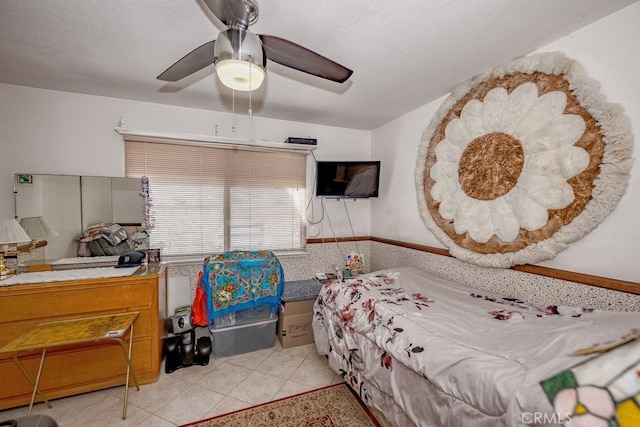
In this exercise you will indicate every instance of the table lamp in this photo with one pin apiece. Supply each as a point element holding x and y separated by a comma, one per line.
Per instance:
<point>10,234</point>
<point>37,228</point>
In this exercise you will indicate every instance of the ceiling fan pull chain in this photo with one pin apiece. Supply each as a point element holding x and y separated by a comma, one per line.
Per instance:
<point>233,110</point>
<point>250,110</point>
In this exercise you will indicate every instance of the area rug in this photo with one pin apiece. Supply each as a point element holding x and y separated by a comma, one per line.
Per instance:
<point>332,406</point>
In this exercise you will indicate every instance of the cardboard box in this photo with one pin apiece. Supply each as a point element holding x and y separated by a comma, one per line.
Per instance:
<point>294,323</point>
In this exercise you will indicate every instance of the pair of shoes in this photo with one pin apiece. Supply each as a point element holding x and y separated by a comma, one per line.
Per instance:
<point>183,350</point>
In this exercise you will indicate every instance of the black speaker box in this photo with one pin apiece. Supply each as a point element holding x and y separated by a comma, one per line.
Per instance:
<point>306,141</point>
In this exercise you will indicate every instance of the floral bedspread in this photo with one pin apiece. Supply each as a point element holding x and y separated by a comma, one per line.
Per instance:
<point>239,280</point>
<point>430,352</point>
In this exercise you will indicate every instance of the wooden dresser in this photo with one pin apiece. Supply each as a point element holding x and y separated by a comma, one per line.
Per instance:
<point>88,367</point>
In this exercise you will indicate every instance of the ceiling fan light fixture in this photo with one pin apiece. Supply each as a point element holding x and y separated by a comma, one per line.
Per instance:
<point>240,75</point>
<point>240,60</point>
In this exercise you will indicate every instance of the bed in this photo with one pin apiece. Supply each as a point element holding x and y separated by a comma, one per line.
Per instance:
<point>429,352</point>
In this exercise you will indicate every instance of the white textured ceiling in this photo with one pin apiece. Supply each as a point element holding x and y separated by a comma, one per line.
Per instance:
<point>404,54</point>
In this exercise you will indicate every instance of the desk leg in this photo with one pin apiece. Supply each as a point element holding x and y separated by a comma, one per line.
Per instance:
<point>127,357</point>
<point>28,377</point>
<point>35,387</point>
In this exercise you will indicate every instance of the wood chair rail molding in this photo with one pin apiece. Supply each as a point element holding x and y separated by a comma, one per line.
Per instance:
<point>28,246</point>
<point>340,239</point>
<point>585,279</point>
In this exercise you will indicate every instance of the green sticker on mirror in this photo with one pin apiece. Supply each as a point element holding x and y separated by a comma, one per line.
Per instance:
<point>25,179</point>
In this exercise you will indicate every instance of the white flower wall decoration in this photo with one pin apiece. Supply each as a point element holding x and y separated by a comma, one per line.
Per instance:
<point>513,165</point>
<point>536,135</point>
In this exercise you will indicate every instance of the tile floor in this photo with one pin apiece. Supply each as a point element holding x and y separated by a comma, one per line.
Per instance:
<point>197,392</point>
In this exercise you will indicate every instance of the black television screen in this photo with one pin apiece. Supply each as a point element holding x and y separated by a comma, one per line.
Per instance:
<point>348,179</point>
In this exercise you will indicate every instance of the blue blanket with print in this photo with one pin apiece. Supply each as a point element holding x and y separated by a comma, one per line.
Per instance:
<point>239,280</point>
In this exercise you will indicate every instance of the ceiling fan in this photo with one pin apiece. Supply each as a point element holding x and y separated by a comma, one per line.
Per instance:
<point>240,56</point>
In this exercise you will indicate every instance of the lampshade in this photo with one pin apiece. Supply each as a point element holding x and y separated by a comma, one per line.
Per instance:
<point>37,228</point>
<point>12,233</point>
<point>240,60</point>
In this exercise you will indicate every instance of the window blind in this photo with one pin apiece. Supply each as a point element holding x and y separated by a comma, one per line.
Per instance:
<point>210,199</point>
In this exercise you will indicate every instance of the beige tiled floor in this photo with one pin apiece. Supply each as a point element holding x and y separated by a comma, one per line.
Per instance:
<point>197,392</point>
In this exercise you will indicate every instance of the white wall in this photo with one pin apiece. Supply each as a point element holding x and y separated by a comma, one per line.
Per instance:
<point>44,131</point>
<point>50,132</point>
<point>608,49</point>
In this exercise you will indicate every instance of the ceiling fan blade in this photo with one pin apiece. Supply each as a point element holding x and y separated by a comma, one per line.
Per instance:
<point>193,61</point>
<point>302,59</point>
<point>232,13</point>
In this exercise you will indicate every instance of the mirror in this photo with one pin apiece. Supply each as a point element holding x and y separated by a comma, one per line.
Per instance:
<point>70,204</point>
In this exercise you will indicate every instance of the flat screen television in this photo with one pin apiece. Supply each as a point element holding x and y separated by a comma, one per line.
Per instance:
<point>347,179</point>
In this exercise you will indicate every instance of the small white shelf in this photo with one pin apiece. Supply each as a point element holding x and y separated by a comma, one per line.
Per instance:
<point>206,140</point>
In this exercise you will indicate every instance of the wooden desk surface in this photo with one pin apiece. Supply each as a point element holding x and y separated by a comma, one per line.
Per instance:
<point>73,331</point>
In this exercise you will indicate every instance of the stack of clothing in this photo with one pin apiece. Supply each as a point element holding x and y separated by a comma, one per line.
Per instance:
<point>103,240</point>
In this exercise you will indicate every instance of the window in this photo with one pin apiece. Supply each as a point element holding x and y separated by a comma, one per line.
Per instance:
<point>209,199</point>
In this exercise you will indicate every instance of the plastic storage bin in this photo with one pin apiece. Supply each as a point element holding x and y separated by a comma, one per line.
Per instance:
<point>242,317</point>
<point>243,337</point>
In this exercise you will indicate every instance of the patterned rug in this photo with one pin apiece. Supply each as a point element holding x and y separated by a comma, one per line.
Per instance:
<point>332,406</point>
